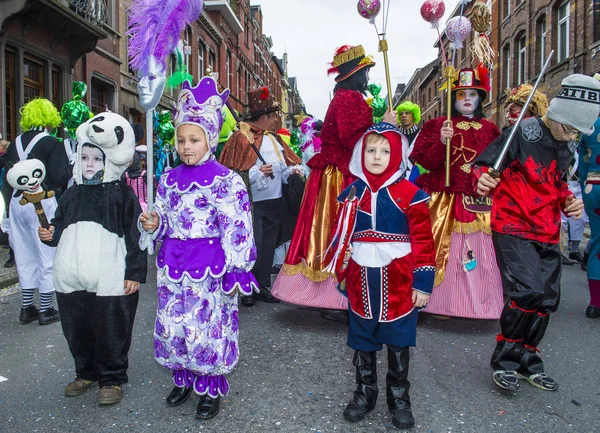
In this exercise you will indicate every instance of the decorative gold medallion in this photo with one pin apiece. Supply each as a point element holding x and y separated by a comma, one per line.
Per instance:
<point>465,126</point>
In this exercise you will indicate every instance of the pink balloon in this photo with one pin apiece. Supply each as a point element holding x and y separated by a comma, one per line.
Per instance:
<point>458,29</point>
<point>433,10</point>
<point>368,8</point>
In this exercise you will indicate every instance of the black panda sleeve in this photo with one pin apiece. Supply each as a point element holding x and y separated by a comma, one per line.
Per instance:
<point>136,260</point>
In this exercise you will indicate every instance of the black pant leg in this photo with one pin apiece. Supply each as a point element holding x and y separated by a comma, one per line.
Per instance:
<point>77,321</point>
<point>267,223</point>
<point>114,326</point>
<point>551,268</point>
<point>520,266</point>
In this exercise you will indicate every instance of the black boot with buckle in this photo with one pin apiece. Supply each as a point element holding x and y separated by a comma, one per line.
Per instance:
<point>366,392</point>
<point>397,385</point>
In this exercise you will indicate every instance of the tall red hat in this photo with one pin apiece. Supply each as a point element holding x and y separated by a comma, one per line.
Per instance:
<point>473,78</point>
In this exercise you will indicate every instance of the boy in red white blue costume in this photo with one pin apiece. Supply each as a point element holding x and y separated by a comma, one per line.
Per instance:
<point>389,272</point>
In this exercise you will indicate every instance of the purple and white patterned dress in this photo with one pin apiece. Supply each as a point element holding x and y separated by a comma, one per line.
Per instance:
<point>206,256</point>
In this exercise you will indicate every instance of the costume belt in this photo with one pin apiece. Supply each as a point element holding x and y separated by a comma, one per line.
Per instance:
<point>378,237</point>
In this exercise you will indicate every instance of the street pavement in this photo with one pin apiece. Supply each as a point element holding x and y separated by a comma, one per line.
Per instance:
<point>295,375</point>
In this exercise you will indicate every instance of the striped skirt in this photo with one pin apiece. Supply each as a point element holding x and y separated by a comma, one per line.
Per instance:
<point>476,293</point>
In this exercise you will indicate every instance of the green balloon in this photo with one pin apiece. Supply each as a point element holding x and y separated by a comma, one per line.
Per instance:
<point>76,112</point>
<point>374,89</point>
<point>379,106</point>
<point>165,129</point>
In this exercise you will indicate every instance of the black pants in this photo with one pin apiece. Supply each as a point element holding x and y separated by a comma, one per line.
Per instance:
<point>98,330</point>
<point>531,278</point>
<point>267,223</point>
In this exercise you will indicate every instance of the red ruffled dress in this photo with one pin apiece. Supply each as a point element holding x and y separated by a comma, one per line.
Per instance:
<point>302,280</point>
<point>467,282</point>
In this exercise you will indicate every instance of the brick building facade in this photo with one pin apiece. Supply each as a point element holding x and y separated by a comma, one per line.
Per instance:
<point>46,44</point>
<point>40,43</point>
<point>523,33</point>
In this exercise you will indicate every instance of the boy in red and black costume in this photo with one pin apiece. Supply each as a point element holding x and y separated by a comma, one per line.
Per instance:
<point>528,197</point>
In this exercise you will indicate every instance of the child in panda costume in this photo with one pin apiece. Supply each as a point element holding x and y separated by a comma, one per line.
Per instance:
<point>98,265</point>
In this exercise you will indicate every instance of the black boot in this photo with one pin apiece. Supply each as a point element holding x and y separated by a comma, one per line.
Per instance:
<point>49,316</point>
<point>336,316</point>
<point>248,301</point>
<point>208,407</point>
<point>178,395</point>
<point>397,385</point>
<point>366,392</point>
<point>28,314</point>
<point>265,295</point>
<point>584,263</point>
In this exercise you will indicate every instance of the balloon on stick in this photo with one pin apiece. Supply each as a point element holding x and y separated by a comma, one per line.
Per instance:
<point>458,29</point>
<point>369,9</point>
<point>432,11</point>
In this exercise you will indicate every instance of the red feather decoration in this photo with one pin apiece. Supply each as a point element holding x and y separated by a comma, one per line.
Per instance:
<point>340,50</point>
<point>265,94</point>
<point>484,76</point>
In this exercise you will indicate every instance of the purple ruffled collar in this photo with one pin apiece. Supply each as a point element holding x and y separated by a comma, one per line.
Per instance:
<point>184,177</point>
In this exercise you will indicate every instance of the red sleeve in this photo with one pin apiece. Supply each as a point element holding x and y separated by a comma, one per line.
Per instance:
<point>356,118</point>
<point>429,151</point>
<point>421,243</point>
<point>563,192</point>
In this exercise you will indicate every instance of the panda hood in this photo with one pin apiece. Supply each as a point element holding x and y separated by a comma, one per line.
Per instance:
<point>114,136</point>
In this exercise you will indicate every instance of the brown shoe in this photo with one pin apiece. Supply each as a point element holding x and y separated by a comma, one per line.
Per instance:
<point>78,387</point>
<point>110,395</point>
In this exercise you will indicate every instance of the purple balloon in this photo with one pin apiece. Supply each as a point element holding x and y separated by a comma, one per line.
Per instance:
<point>368,8</point>
<point>457,30</point>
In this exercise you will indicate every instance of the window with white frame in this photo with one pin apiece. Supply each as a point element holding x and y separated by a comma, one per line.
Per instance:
<point>491,93</point>
<point>239,81</point>
<point>596,19</point>
<point>507,65</point>
<point>201,67</point>
<point>505,8</point>
<point>564,13</point>
<point>228,69</point>
<point>542,42</point>
<point>522,61</point>
<point>187,46</point>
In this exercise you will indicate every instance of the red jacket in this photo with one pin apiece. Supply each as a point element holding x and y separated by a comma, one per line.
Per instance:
<point>531,194</point>
<point>471,137</point>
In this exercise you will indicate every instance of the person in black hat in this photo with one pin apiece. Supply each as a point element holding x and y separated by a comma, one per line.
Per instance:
<point>467,282</point>
<point>302,280</point>
<point>264,177</point>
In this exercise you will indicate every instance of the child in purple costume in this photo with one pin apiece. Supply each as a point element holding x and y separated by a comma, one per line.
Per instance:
<point>202,216</point>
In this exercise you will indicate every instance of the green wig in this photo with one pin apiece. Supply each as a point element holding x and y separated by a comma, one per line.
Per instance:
<point>39,113</point>
<point>411,107</point>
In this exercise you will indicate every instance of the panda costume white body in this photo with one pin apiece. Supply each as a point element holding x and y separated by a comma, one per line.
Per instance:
<point>96,231</point>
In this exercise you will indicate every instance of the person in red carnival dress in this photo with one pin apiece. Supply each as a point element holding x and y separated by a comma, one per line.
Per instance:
<point>528,197</point>
<point>302,280</point>
<point>467,282</point>
<point>388,272</point>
